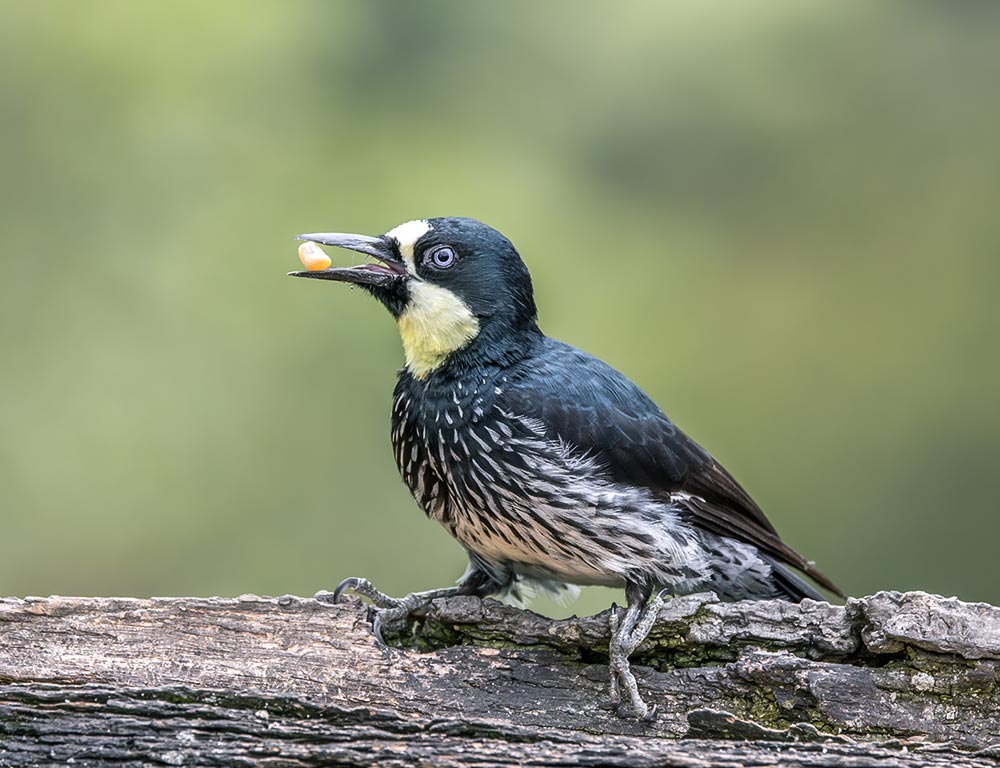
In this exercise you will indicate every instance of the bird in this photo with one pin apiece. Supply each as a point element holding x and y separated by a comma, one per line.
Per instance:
<point>550,468</point>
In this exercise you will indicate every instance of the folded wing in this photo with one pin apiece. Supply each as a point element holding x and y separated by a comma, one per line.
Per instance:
<point>590,405</point>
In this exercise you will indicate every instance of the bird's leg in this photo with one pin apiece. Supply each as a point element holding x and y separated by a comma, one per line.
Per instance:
<point>386,611</point>
<point>620,671</point>
<point>616,696</point>
<point>627,633</point>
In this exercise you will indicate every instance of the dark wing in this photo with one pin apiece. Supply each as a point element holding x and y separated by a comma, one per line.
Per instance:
<point>590,405</point>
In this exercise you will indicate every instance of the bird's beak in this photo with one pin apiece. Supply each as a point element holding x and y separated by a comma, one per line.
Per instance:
<point>388,271</point>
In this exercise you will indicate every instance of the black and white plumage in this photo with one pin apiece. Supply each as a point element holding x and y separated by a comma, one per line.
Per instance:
<point>546,464</point>
<point>533,490</point>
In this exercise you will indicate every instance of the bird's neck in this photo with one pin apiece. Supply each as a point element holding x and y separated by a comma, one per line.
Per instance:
<point>496,346</point>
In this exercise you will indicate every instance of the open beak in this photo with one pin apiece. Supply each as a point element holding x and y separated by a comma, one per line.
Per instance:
<point>387,271</point>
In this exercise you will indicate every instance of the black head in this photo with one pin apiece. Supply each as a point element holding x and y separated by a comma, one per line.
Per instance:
<point>447,281</point>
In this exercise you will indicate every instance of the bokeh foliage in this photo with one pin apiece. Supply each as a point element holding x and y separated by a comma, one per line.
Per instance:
<point>780,218</point>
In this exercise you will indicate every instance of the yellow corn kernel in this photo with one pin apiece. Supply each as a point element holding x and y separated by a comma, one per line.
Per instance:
<point>313,258</point>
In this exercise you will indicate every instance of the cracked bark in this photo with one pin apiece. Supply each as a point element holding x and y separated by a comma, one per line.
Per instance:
<point>892,680</point>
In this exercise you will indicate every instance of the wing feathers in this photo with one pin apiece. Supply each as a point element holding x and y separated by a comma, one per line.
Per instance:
<point>586,403</point>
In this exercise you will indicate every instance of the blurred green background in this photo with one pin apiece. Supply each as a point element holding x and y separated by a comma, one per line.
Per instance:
<point>780,218</point>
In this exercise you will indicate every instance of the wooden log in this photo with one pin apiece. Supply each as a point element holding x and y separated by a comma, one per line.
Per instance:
<point>892,680</point>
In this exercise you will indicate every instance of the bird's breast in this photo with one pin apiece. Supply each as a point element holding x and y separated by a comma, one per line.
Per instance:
<point>438,429</point>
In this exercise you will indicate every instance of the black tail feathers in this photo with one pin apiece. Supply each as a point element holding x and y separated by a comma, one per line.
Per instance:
<point>790,585</point>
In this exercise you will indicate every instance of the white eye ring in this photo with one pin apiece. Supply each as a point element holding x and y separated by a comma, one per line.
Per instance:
<point>442,257</point>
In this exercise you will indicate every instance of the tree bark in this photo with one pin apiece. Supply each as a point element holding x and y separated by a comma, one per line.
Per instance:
<point>892,679</point>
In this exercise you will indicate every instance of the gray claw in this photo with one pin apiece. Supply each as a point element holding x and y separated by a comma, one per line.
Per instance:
<point>375,617</point>
<point>351,582</point>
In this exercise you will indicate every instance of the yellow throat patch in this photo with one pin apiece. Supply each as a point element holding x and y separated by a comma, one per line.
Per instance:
<point>435,323</point>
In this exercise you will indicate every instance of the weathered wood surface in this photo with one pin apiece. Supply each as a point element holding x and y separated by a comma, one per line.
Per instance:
<point>888,680</point>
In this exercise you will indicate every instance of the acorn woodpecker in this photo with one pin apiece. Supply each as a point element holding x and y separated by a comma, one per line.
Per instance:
<point>548,466</point>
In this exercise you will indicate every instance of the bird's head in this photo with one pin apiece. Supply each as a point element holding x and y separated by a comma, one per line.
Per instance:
<point>448,282</point>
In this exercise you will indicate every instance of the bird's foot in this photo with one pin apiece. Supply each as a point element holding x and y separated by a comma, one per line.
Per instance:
<point>361,587</point>
<point>626,635</point>
<point>385,613</point>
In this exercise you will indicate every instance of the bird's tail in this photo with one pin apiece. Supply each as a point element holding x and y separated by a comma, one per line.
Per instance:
<point>790,584</point>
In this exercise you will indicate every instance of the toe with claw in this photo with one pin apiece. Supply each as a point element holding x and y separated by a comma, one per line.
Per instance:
<point>361,587</point>
<point>385,612</point>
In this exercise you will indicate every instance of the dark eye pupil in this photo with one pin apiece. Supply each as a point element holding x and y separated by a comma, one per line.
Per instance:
<point>443,257</point>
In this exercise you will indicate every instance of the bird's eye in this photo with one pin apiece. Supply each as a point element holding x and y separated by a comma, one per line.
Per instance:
<point>442,257</point>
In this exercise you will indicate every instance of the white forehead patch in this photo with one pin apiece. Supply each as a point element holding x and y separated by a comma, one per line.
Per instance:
<point>406,235</point>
